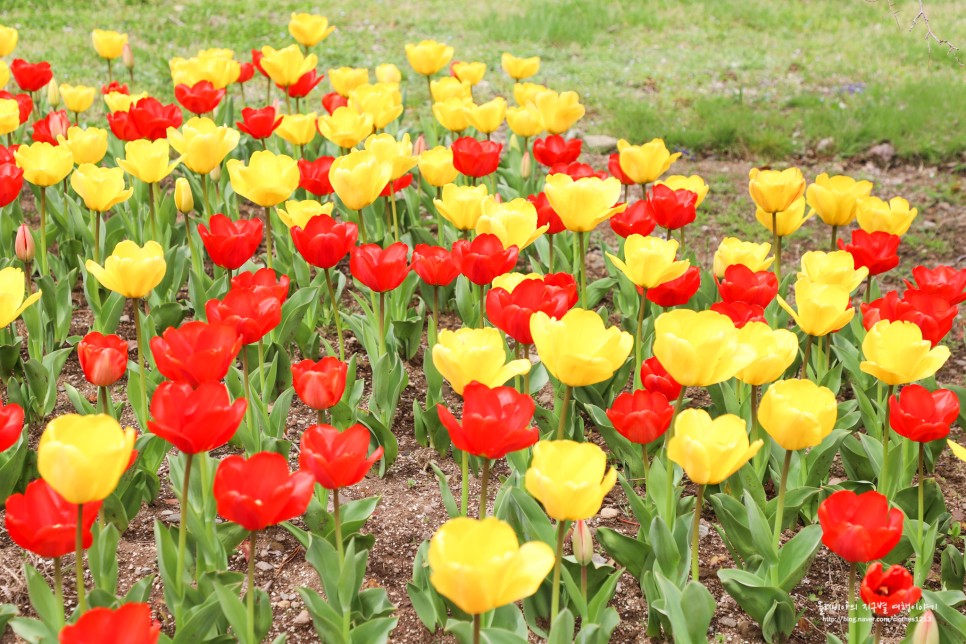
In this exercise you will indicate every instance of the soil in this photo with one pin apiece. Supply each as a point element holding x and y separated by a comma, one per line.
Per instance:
<point>410,508</point>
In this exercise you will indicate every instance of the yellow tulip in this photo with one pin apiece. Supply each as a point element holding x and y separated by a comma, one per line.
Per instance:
<point>204,145</point>
<point>578,349</point>
<point>215,66</point>
<point>9,115</point>
<point>428,56</point>
<point>465,355</point>
<point>108,44</point>
<point>798,413</point>
<point>436,166</point>
<point>184,200</point>
<point>298,213</point>
<point>345,127</point>
<point>775,351</point>
<point>526,93</point>
<point>569,479</point>
<point>53,93</point>
<point>388,73</point>
<point>44,164</point>
<point>381,101</point>
<point>308,29</point>
<point>131,270</point>
<point>834,198</point>
<point>958,450</point>
<point>488,117</point>
<point>450,87</point>
<point>77,98</point>
<point>646,162</point>
<point>701,348</point>
<point>83,457</point>
<point>732,251</point>
<point>525,121</point>
<point>694,183</point>
<point>359,177</point>
<point>118,102</point>
<point>397,153</point>
<point>559,111</point>
<point>472,73</point>
<point>786,221</point>
<point>453,113</point>
<point>650,261</point>
<point>509,281</point>
<point>710,451</point>
<point>8,40</point>
<point>461,205</point>
<point>267,180</point>
<point>519,68</point>
<point>837,267</point>
<point>298,129</point>
<point>12,290</point>
<point>514,222</point>
<point>149,161</point>
<point>822,308</point>
<point>346,79</point>
<point>100,188</point>
<point>4,74</point>
<point>775,190</point>
<point>584,203</point>
<point>479,565</point>
<point>287,65</point>
<point>896,353</point>
<point>894,217</point>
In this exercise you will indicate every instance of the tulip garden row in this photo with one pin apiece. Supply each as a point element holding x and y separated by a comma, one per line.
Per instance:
<point>246,244</point>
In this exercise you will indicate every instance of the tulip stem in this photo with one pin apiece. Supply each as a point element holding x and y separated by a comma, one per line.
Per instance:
<point>583,582</point>
<point>395,216</point>
<point>696,533</point>
<point>79,560</point>
<point>143,377</point>
<point>204,195</point>
<point>868,289</point>
<point>671,514</point>
<point>639,340</point>
<point>484,483</point>
<point>362,226</point>
<point>439,218</point>
<point>464,488</point>
<point>851,602</point>
<point>876,630</point>
<point>269,240</point>
<point>564,406</point>
<point>96,220</point>
<point>335,313</point>
<point>249,408</point>
<point>337,520</point>
<point>646,462</point>
<point>250,595</point>
<point>780,509</point>
<point>922,480</point>
<point>382,322</point>
<point>43,230</point>
<point>807,355</point>
<point>582,245</point>
<point>103,405</point>
<point>835,237</point>
<point>436,307</point>
<point>196,259</point>
<point>261,364</point>
<point>482,305</point>
<point>476,629</point>
<point>526,376</point>
<point>778,248</point>
<point>555,596</point>
<point>550,239</point>
<point>59,585</point>
<point>884,473</point>
<point>182,524</point>
<point>154,213</point>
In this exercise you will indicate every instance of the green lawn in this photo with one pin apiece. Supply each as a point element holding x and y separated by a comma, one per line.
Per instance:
<point>757,78</point>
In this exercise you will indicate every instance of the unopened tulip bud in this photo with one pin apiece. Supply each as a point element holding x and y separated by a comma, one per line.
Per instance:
<point>927,630</point>
<point>525,165</point>
<point>582,542</point>
<point>215,174</point>
<point>24,244</point>
<point>183,198</point>
<point>419,145</point>
<point>53,93</point>
<point>127,56</point>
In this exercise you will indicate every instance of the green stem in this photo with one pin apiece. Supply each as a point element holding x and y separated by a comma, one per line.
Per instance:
<point>476,629</point>
<point>154,213</point>
<point>583,582</point>
<point>777,243</point>
<point>526,376</point>
<point>43,230</point>
<point>183,524</point>
<point>884,473</point>
<point>196,258</point>
<point>269,239</point>
<point>464,483</point>
<point>780,509</point>
<point>335,313</point>
<point>362,227</point>
<point>851,603</point>
<point>139,336</point>
<point>395,216</point>
<point>639,340</point>
<point>261,364</point>
<point>550,239</point>
<point>868,289</point>
<point>439,219</point>
<point>79,560</point>
<point>482,305</point>
<point>696,533</point>
<point>807,355</point>
<point>646,462</point>
<point>564,406</point>
<point>59,585</point>
<point>96,217</point>
<point>922,480</point>
<point>436,307</point>
<point>337,519</point>
<point>484,482</point>
<point>382,323</point>
<point>555,596</point>
<point>249,408</point>
<point>835,236</point>
<point>204,195</point>
<point>103,405</point>
<point>582,245</point>
<point>250,595</point>
<point>670,465</point>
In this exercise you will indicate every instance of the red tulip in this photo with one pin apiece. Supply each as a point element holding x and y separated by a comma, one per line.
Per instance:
<point>401,183</point>
<point>671,209</point>
<point>114,86</point>
<point>231,243</point>
<point>195,420</point>
<point>152,119</point>
<point>31,76</point>
<point>380,269</point>
<point>305,84</point>
<point>196,352</point>
<point>46,129</point>
<point>11,182</point>
<point>246,71</point>
<point>324,242</point>
<point>24,102</point>
<point>891,592</point>
<point>495,421</point>
<point>337,459</point>
<point>263,277</point>
<point>947,282</point>
<point>253,312</point>
<point>741,313</point>
<point>11,425</point>
<point>546,215</point>
<point>878,251</point>
<point>41,521</point>
<point>123,126</point>
<point>741,284</point>
<point>510,311</point>
<point>434,265</point>
<point>635,220</point>
<point>930,312</point>
<point>257,61</point>
<point>314,176</point>
<point>260,491</point>
<point>128,624</point>
<point>614,166</point>
<point>642,416</point>
<point>259,123</point>
<point>475,158</point>
<point>921,415</point>
<point>103,358</point>
<point>200,98</point>
<point>859,527</point>
<point>655,378</point>
<point>484,258</point>
<point>678,291</point>
<point>576,170</point>
<point>320,385</point>
<point>23,244</point>
<point>555,149</point>
<point>333,101</point>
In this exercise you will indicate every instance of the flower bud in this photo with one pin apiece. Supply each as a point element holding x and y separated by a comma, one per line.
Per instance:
<point>183,198</point>
<point>582,542</point>
<point>53,93</point>
<point>24,244</point>
<point>525,165</point>
<point>419,145</point>
<point>215,174</point>
<point>127,56</point>
<point>927,630</point>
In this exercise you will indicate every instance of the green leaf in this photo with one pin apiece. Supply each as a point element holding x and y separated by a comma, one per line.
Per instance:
<point>452,509</point>
<point>43,600</point>
<point>772,608</point>
<point>562,629</point>
<point>796,556</point>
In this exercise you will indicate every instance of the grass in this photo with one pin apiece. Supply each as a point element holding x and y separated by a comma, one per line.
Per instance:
<point>753,78</point>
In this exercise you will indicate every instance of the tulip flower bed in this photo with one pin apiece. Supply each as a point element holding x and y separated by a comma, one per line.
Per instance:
<point>294,373</point>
